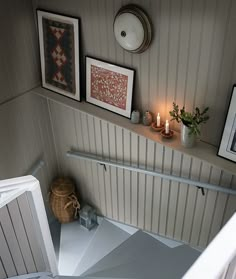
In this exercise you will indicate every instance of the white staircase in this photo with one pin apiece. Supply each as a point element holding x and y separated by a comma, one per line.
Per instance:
<point>114,250</point>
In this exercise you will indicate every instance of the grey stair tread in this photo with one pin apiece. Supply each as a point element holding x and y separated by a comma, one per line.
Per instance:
<point>78,277</point>
<point>55,229</point>
<point>169,264</point>
<point>138,246</point>
<point>106,239</point>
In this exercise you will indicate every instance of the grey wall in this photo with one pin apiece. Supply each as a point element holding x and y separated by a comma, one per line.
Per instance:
<point>25,135</point>
<point>191,59</point>
<point>19,67</point>
<point>157,205</point>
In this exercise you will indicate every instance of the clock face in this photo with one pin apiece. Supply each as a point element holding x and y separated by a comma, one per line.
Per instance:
<point>132,29</point>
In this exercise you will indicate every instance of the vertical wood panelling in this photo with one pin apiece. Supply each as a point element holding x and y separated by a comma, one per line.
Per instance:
<point>158,205</point>
<point>163,54</point>
<point>120,173</point>
<point>3,274</point>
<point>191,200</point>
<point>220,204</point>
<point>12,241</point>
<point>107,174</point>
<point>190,60</point>
<point>157,188</point>
<point>173,195</point>
<point>113,170</point>
<point>134,179</point>
<point>167,165</point>
<point>19,52</point>
<point>209,207</point>
<point>142,153</point>
<point>30,230</point>
<point>21,236</point>
<point>217,56</point>
<point>80,166</point>
<point>6,257</point>
<point>149,186</point>
<point>25,139</point>
<point>20,251</point>
<point>205,173</point>
<point>127,174</point>
<point>231,201</point>
<point>182,197</point>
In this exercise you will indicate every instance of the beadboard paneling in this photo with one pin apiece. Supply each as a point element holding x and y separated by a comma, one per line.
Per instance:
<point>26,137</point>
<point>172,209</point>
<point>19,70</point>
<point>192,58</point>
<point>20,251</point>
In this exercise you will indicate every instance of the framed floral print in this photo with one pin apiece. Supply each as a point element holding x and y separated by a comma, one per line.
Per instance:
<point>109,86</point>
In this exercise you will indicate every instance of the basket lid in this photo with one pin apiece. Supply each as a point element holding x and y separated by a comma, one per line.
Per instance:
<point>62,187</point>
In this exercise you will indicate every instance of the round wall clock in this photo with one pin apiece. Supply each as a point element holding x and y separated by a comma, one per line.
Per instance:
<point>132,29</point>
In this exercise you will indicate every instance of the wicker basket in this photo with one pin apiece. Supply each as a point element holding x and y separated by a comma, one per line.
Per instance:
<point>63,200</point>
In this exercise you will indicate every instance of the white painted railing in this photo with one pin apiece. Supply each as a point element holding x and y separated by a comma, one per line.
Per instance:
<point>25,240</point>
<point>218,261</point>
<point>199,184</point>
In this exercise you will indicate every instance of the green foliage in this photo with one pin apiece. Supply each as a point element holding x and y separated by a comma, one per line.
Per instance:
<point>191,120</point>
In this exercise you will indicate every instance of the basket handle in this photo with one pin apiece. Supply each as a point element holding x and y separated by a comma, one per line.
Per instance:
<point>73,201</point>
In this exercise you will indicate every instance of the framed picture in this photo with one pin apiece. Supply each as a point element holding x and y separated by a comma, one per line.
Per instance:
<point>109,86</point>
<point>227,147</point>
<point>59,53</point>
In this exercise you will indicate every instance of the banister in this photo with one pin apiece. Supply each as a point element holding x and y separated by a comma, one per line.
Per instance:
<point>199,184</point>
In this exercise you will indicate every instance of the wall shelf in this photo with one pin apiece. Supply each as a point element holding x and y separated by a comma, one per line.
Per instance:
<point>202,150</point>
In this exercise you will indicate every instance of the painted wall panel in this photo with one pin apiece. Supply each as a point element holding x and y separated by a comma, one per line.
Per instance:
<point>192,58</point>
<point>168,208</point>
<point>21,236</point>
<point>18,50</point>
<point>20,251</point>
<point>12,241</point>
<point>26,137</point>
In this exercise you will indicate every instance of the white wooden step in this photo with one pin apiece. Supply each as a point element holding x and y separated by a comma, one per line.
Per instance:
<point>74,241</point>
<point>106,239</point>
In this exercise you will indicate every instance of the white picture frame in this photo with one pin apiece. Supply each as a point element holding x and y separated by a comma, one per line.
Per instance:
<point>227,147</point>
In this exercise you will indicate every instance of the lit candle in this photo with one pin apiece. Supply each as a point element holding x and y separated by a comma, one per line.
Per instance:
<point>158,120</point>
<point>167,127</point>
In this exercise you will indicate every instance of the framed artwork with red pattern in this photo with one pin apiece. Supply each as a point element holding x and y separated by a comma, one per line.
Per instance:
<point>59,53</point>
<point>109,86</point>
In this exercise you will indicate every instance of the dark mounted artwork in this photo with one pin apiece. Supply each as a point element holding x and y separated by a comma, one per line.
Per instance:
<point>59,53</point>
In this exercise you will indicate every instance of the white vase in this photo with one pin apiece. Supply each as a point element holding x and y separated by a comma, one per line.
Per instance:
<point>187,140</point>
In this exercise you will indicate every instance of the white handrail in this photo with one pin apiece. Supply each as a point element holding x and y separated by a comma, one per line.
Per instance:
<point>217,256</point>
<point>199,184</point>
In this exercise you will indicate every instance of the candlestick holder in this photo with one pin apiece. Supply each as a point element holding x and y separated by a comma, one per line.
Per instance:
<point>157,128</point>
<point>167,135</point>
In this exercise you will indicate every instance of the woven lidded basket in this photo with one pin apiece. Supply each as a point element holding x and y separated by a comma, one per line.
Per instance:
<point>63,200</point>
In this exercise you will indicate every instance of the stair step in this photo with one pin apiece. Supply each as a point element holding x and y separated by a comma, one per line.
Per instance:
<point>55,229</point>
<point>106,239</point>
<point>74,241</point>
<point>133,248</point>
<point>141,256</point>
